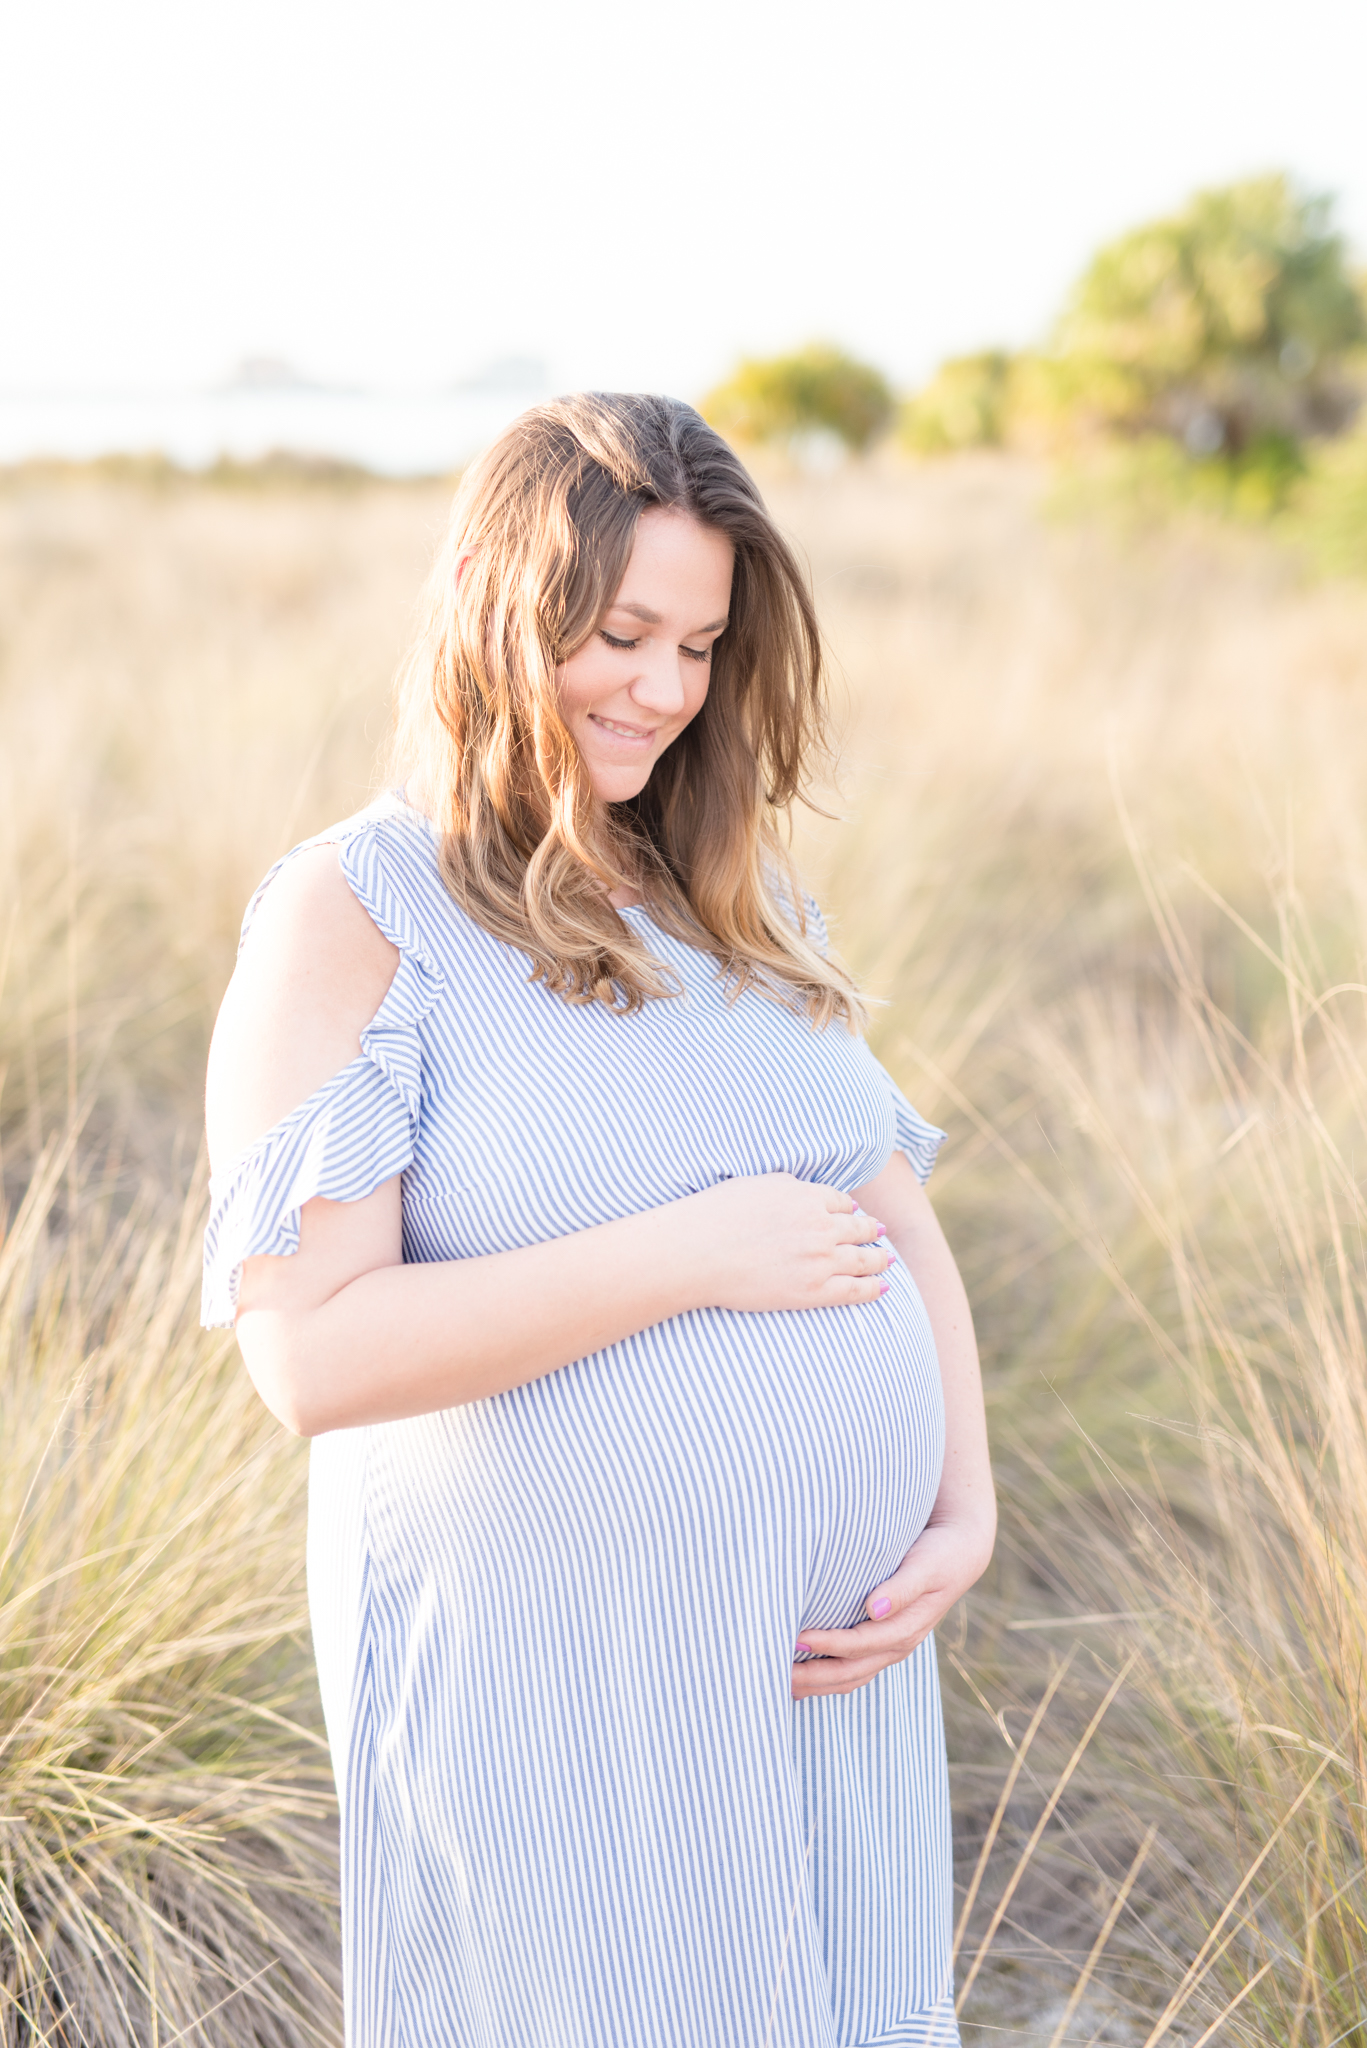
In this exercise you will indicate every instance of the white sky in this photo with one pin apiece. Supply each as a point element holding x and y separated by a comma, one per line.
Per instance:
<point>396,193</point>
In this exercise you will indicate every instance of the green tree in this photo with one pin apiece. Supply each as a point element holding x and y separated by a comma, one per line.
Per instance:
<point>965,405</point>
<point>1225,325</point>
<point>817,389</point>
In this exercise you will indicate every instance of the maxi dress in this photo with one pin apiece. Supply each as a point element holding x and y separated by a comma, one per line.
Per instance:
<point>555,1627</point>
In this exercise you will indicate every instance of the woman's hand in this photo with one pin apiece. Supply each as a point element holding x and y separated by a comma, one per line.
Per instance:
<point>944,1561</point>
<point>771,1241</point>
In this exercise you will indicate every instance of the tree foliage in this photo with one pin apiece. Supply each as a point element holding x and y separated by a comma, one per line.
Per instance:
<point>1226,323</point>
<point>1226,334</point>
<point>815,390</point>
<point>967,404</point>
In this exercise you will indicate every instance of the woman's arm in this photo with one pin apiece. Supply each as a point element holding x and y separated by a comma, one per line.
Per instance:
<point>953,1550</point>
<point>344,1333</point>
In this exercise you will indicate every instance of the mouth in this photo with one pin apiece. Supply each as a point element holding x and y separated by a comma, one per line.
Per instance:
<point>641,734</point>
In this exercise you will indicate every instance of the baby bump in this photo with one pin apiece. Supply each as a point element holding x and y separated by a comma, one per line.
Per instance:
<point>751,1464</point>
<point>875,1453</point>
<point>812,1440</point>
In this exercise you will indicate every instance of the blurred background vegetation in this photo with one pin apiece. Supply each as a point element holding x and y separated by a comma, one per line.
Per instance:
<point>816,392</point>
<point>1214,360</point>
<point>1097,847</point>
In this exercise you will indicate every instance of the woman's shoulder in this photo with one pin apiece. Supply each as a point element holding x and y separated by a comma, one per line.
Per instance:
<point>323,944</point>
<point>376,851</point>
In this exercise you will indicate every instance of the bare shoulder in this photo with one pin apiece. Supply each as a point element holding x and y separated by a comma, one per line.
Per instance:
<point>313,972</point>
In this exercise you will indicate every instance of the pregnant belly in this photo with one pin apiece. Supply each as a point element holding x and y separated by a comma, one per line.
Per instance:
<point>775,1465</point>
<point>852,1409</point>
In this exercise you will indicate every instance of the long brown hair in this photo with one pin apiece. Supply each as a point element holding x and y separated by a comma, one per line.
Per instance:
<point>540,536</point>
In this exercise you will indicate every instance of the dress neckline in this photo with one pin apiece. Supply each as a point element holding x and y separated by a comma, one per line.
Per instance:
<point>399,796</point>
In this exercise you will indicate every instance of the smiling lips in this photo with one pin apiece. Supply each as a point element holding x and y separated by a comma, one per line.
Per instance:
<point>626,732</point>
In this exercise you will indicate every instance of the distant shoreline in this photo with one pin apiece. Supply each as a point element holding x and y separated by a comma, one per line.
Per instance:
<point>383,434</point>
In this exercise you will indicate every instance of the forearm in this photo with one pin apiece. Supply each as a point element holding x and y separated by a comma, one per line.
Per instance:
<point>403,1340</point>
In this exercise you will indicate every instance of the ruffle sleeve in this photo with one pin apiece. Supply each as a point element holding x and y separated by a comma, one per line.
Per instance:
<point>351,1135</point>
<point>921,1141</point>
<point>354,1132</point>
<point>912,1133</point>
<point>817,933</point>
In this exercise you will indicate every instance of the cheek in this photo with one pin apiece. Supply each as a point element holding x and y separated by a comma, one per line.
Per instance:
<point>577,683</point>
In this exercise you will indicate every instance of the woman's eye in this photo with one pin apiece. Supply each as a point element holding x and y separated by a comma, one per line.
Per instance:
<point>625,646</point>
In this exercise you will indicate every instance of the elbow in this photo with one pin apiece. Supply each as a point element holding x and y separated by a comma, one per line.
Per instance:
<point>295,1414</point>
<point>273,1353</point>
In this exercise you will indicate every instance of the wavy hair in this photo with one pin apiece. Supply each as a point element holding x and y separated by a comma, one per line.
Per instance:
<point>539,540</point>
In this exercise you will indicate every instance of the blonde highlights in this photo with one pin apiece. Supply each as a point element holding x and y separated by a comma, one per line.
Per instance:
<point>540,536</point>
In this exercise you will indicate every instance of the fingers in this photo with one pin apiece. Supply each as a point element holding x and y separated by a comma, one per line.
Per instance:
<point>862,1258</point>
<point>776,1242</point>
<point>883,1600</point>
<point>822,1680</point>
<point>863,1237</point>
<point>896,1631</point>
<point>818,1675</point>
<point>861,1273</point>
<point>847,1658</point>
<point>859,1230</point>
<point>865,1639</point>
<point>857,1226</point>
<point>850,1291</point>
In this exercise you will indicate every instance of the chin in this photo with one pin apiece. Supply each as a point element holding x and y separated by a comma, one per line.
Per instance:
<point>619,788</point>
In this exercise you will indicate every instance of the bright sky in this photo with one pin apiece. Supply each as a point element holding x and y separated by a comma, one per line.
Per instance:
<point>634,190</point>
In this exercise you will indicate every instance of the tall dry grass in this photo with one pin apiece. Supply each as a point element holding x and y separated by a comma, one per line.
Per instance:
<point>167,1849</point>
<point>1104,863</point>
<point>1107,863</point>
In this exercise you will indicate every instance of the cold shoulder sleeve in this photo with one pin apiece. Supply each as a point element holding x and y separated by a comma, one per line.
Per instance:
<point>353,1133</point>
<point>919,1140</point>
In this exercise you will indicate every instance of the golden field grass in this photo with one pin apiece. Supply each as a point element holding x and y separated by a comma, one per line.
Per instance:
<point>1101,855</point>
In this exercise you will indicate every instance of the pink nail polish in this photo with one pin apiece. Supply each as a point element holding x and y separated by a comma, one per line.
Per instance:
<point>879,1608</point>
<point>892,1258</point>
<point>807,1649</point>
<point>886,1288</point>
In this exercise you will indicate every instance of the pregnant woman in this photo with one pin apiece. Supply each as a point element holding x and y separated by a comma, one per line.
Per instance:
<point>558,1198</point>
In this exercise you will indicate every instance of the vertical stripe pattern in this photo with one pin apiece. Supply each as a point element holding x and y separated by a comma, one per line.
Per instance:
<point>554,1628</point>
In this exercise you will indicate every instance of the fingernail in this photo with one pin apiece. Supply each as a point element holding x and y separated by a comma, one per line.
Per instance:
<point>892,1258</point>
<point>886,1288</point>
<point>807,1648</point>
<point>878,1608</point>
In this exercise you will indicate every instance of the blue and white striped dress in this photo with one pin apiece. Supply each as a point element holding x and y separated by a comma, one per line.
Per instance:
<point>554,1628</point>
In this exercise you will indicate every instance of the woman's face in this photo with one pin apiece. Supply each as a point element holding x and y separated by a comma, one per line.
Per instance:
<point>632,688</point>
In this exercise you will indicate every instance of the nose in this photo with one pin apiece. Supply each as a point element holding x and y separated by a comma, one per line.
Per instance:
<point>659,685</point>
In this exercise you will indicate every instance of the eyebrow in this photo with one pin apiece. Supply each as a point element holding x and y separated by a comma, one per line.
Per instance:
<point>650,618</point>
